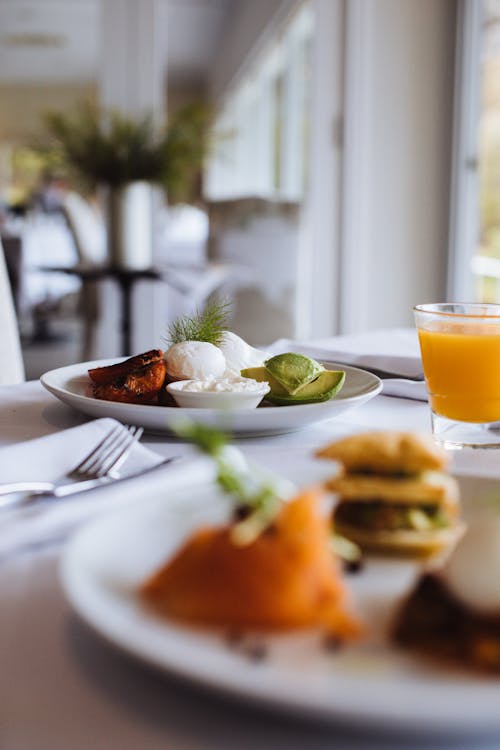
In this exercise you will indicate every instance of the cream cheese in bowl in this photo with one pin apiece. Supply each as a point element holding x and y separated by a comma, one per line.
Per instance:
<point>232,392</point>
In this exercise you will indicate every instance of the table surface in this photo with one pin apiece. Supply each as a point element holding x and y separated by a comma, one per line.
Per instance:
<point>62,688</point>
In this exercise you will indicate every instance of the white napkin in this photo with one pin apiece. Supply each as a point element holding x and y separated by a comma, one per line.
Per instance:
<point>393,350</point>
<point>49,458</point>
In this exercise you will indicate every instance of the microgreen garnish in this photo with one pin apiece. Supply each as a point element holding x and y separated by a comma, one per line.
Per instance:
<point>347,551</point>
<point>208,439</point>
<point>207,325</point>
<point>259,499</point>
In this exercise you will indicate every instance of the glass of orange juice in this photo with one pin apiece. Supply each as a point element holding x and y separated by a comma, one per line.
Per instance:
<point>460,346</point>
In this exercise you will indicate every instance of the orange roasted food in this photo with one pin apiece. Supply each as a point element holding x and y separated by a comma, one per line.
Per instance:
<point>287,578</point>
<point>106,375</point>
<point>138,386</point>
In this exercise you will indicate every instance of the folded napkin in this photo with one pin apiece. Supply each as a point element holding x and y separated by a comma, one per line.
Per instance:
<point>51,457</point>
<point>393,350</point>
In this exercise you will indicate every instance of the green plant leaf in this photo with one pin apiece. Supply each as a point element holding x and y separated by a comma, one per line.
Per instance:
<point>103,147</point>
<point>207,325</point>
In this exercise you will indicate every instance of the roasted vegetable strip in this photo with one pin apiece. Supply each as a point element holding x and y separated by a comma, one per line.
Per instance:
<point>139,386</point>
<point>106,375</point>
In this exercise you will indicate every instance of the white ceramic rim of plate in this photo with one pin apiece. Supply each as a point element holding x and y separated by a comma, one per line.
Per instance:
<point>347,698</point>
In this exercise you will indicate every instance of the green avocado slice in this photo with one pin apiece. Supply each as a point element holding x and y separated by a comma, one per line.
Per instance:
<point>323,388</point>
<point>293,371</point>
<point>263,376</point>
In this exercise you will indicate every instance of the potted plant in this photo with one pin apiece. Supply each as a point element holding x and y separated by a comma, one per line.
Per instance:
<point>128,157</point>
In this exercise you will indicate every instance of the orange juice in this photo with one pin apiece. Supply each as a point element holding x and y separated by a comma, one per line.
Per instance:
<point>462,369</point>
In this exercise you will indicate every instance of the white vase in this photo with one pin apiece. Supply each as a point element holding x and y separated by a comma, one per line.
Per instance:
<point>130,226</point>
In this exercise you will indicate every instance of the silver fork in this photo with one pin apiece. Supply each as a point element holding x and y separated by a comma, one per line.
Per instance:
<point>101,463</point>
<point>108,455</point>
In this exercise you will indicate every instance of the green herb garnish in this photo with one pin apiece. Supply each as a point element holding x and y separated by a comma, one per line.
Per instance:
<point>207,325</point>
<point>208,439</point>
<point>260,500</point>
<point>345,548</point>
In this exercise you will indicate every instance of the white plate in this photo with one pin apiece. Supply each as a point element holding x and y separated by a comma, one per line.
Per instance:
<point>372,684</point>
<point>72,385</point>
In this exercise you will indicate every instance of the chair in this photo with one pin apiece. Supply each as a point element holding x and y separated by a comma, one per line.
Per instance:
<point>89,237</point>
<point>12,367</point>
<point>45,294</point>
<point>260,240</point>
<point>87,228</point>
<point>182,257</point>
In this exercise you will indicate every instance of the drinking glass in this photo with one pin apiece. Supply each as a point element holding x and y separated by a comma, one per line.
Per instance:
<point>460,346</point>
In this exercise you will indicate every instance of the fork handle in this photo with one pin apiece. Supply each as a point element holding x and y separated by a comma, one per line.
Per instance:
<point>10,493</point>
<point>22,493</point>
<point>32,487</point>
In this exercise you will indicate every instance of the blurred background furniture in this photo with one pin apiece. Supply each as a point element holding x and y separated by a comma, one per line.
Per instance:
<point>125,279</point>
<point>182,271</point>
<point>89,237</point>
<point>295,87</point>
<point>11,367</point>
<point>45,298</point>
<point>12,248</point>
<point>259,240</point>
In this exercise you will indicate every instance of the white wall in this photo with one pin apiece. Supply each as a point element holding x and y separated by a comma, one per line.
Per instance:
<point>397,158</point>
<point>22,106</point>
<point>388,249</point>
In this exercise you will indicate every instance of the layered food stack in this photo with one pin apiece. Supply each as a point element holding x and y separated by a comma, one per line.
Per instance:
<point>394,494</point>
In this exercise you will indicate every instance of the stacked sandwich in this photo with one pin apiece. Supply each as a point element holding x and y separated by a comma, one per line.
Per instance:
<point>394,494</point>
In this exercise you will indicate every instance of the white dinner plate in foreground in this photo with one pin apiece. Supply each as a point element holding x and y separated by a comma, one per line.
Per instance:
<point>372,684</point>
<point>71,384</point>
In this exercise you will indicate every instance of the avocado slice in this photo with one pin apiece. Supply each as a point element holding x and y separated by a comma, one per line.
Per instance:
<point>263,376</point>
<point>323,388</point>
<point>326,385</point>
<point>293,371</point>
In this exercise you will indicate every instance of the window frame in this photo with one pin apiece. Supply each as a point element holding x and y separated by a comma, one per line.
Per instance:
<point>464,193</point>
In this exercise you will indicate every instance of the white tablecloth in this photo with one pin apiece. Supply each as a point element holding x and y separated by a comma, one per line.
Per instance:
<point>61,688</point>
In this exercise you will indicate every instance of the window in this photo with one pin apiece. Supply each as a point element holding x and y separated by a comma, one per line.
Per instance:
<point>261,129</point>
<point>475,216</point>
<point>486,263</point>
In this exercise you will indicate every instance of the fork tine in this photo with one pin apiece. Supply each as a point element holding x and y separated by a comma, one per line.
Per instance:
<point>107,450</point>
<point>121,451</point>
<point>103,445</point>
<point>100,456</point>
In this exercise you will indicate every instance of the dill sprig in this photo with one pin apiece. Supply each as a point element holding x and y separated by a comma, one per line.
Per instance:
<point>207,325</point>
<point>260,501</point>
<point>207,439</point>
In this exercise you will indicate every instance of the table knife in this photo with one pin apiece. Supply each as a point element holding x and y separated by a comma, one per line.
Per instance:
<point>382,374</point>
<point>16,494</point>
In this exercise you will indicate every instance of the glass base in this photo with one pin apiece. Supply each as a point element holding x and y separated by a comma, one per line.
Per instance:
<point>454,434</point>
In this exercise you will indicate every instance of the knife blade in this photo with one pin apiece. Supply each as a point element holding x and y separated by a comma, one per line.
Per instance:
<point>16,494</point>
<point>382,374</point>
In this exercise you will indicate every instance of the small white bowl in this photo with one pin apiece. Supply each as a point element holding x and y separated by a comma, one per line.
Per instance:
<point>216,399</point>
